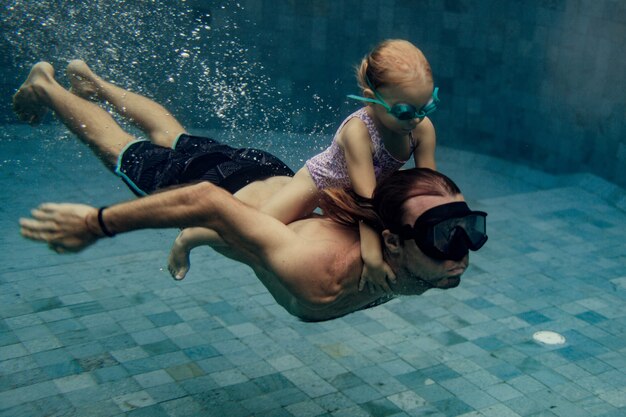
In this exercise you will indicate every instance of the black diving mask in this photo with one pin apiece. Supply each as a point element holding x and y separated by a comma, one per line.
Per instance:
<point>448,231</point>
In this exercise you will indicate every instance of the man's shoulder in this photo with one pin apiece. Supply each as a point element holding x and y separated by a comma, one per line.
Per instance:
<point>318,227</point>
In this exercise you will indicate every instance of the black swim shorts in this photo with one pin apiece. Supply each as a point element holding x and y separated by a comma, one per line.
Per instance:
<point>146,167</point>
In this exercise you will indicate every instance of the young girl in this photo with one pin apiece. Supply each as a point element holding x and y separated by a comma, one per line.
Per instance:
<point>373,142</point>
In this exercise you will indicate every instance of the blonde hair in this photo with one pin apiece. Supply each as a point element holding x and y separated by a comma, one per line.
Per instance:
<point>393,61</point>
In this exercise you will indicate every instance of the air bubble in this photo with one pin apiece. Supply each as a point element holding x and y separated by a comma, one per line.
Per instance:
<point>220,71</point>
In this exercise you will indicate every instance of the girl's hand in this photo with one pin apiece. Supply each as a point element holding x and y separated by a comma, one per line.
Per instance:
<point>377,277</point>
<point>178,262</point>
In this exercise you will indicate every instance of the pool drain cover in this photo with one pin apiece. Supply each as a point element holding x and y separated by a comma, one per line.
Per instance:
<point>549,338</point>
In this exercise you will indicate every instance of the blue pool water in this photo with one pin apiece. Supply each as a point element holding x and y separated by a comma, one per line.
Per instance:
<point>108,333</point>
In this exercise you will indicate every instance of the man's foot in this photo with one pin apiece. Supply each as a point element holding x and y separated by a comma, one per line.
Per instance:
<point>84,82</point>
<point>28,100</point>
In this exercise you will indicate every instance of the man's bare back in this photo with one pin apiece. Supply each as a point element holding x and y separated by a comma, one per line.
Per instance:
<point>334,261</point>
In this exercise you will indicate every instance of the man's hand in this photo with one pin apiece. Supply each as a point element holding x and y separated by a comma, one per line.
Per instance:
<point>63,226</point>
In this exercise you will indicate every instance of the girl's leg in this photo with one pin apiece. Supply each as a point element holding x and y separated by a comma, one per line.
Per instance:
<point>93,125</point>
<point>149,116</point>
<point>297,199</point>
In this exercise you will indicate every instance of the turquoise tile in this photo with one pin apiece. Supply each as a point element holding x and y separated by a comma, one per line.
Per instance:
<point>458,386</point>
<point>8,338</point>
<point>449,338</point>
<point>505,371</point>
<point>164,319</point>
<point>110,374</point>
<point>141,366</point>
<point>51,357</point>
<point>533,317</point>
<point>439,373</point>
<point>54,405</point>
<point>289,396</point>
<point>46,304</point>
<point>479,303</point>
<point>361,394</point>
<point>452,406</point>
<point>84,309</point>
<point>489,343</point>
<point>22,379</point>
<point>200,352</point>
<point>381,407</point>
<point>166,392</point>
<point>150,411</point>
<point>63,369</point>
<point>27,409</point>
<point>477,399</point>
<point>346,380</point>
<point>118,342</point>
<point>161,347</point>
<point>572,353</point>
<point>279,412</point>
<point>526,406</point>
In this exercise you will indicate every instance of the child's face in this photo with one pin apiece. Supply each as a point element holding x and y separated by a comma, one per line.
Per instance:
<point>413,93</point>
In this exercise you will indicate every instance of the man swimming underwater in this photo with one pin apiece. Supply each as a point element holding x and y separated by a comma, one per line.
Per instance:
<point>311,267</point>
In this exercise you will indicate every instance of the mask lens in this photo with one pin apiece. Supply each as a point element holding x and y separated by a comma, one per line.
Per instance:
<point>476,230</point>
<point>448,231</point>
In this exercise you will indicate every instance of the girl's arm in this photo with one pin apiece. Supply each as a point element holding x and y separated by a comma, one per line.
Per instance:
<point>356,144</point>
<point>375,270</point>
<point>425,143</point>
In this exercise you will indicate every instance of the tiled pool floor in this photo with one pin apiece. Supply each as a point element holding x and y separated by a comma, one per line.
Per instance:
<point>108,333</point>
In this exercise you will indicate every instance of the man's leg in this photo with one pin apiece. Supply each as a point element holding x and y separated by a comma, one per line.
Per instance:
<point>93,125</point>
<point>149,116</point>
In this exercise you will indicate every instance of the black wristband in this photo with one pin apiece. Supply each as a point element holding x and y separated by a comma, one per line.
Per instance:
<point>103,227</point>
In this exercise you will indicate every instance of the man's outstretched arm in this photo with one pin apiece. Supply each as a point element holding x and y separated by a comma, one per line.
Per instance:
<point>301,273</point>
<point>73,227</point>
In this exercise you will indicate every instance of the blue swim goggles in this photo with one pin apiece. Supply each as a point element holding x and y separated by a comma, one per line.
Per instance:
<point>401,111</point>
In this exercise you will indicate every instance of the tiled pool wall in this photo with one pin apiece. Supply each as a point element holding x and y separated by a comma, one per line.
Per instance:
<point>539,82</point>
